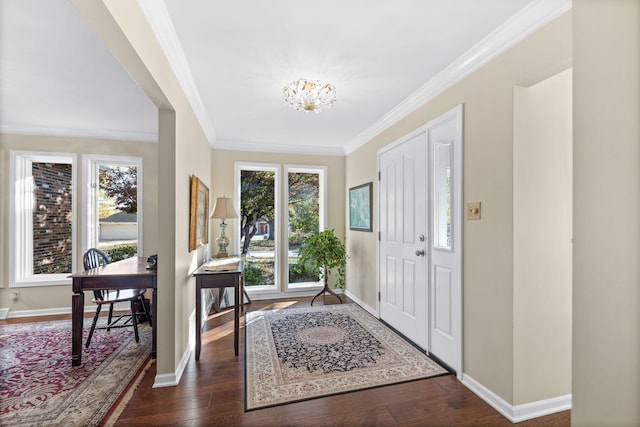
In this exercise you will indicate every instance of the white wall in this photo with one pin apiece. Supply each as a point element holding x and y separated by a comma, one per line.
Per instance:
<point>542,228</point>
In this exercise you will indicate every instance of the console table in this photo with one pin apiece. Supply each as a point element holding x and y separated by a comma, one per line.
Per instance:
<point>206,279</point>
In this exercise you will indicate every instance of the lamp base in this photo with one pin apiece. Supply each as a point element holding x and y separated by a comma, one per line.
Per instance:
<point>222,241</point>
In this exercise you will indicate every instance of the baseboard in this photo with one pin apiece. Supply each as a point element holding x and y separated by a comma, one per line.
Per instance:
<point>46,312</point>
<point>517,413</point>
<point>269,295</point>
<point>165,380</point>
<point>361,303</point>
<point>4,313</point>
<point>172,380</point>
<point>541,408</point>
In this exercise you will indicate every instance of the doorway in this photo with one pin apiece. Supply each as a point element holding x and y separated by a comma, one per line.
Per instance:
<point>420,240</point>
<point>542,234</point>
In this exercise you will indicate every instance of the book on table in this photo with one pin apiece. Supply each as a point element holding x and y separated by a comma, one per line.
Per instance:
<point>223,264</point>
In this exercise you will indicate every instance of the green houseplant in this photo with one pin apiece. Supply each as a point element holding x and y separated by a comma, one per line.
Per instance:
<point>326,252</point>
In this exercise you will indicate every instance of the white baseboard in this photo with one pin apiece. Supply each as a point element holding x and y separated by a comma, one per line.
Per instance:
<point>540,408</point>
<point>361,303</point>
<point>46,311</point>
<point>269,295</point>
<point>165,380</point>
<point>517,413</point>
<point>173,379</point>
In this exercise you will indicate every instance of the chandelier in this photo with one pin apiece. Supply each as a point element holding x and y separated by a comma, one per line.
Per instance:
<point>309,95</point>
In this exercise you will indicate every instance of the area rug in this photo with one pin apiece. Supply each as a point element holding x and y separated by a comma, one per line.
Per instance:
<point>40,387</point>
<point>303,353</point>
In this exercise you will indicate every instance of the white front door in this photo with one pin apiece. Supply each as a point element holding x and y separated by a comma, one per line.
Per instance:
<point>403,229</point>
<point>420,249</point>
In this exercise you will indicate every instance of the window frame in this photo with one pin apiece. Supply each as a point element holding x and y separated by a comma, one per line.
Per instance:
<point>277,170</point>
<point>21,218</point>
<point>322,220</point>
<point>90,167</point>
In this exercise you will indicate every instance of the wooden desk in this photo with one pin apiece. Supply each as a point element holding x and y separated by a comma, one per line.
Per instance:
<point>206,279</point>
<point>126,274</point>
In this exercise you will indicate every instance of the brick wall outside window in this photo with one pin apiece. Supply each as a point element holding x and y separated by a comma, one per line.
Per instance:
<point>52,218</point>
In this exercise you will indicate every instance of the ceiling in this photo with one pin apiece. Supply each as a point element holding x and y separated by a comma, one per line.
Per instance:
<point>233,58</point>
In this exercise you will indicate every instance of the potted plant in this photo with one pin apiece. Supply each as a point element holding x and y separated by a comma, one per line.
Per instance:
<point>326,252</point>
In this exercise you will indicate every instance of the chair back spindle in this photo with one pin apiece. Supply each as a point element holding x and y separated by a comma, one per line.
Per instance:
<point>95,258</point>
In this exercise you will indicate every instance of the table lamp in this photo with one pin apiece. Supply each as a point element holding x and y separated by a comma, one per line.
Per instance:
<point>224,210</point>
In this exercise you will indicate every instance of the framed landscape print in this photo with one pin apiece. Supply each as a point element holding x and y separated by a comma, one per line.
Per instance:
<point>360,207</point>
<point>198,214</point>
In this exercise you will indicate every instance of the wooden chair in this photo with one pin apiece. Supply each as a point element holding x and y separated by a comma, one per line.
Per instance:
<point>95,258</point>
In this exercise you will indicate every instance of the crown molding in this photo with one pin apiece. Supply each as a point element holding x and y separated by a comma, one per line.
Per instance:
<point>79,133</point>
<point>158,17</point>
<point>525,22</point>
<point>277,148</point>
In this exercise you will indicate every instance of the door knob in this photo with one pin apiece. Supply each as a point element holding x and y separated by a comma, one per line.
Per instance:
<point>420,252</point>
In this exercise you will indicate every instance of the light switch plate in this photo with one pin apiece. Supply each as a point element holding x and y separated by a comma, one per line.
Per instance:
<point>474,209</point>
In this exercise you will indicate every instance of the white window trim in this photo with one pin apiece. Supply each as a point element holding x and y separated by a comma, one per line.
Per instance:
<point>322,194</point>
<point>90,164</point>
<point>276,168</point>
<point>21,219</point>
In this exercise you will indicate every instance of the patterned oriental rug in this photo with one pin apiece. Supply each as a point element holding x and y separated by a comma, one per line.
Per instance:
<point>41,388</point>
<point>304,353</point>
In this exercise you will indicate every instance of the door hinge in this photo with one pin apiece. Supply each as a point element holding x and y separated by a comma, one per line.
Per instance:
<point>379,176</point>
<point>379,296</point>
<point>379,236</point>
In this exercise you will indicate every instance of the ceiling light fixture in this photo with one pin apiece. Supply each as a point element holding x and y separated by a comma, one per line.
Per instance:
<point>309,95</point>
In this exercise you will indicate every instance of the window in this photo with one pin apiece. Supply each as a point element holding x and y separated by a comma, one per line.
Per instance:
<point>258,224</point>
<point>42,218</point>
<point>442,196</point>
<point>305,217</point>
<point>113,208</point>
<point>262,215</point>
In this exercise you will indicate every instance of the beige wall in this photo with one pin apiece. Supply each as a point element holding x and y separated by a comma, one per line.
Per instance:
<point>222,178</point>
<point>606,285</point>
<point>125,30</point>
<point>542,227</point>
<point>487,96</point>
<point>55,297</point>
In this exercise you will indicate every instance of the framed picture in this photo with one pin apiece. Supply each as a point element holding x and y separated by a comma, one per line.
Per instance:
<point>360,207</point>
<point>198,214</point>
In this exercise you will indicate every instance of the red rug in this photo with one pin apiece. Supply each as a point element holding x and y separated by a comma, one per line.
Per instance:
<point>40,387</point>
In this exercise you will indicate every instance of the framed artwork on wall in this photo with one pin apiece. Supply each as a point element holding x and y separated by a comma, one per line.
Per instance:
<point>198,214</point>
<point>360,207</point>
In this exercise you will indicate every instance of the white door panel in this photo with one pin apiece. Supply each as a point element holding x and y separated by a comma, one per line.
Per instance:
<point>403,274</point>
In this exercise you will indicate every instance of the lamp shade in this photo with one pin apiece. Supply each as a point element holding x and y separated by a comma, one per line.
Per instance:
<point>224,209</point>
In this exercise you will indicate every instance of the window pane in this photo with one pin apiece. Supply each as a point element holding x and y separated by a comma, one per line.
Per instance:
<point>304,221</point>
<point>257,230</point>
<point>442,188</point>
<point>52,218</point>
<point>118,210</point>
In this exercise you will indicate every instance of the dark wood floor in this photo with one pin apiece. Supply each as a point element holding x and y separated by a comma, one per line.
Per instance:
<point>211,393</point>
